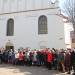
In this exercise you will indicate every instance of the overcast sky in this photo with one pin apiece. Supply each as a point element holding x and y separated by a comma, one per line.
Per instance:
<point>61,5</point>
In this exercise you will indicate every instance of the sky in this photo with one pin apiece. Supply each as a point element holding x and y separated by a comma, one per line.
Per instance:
<point>61,5</point>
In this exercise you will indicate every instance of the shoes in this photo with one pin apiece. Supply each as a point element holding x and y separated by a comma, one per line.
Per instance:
<point>62,71</point>
<point>68,73</point>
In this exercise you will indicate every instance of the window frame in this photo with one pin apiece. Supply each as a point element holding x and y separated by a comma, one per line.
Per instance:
<point>42,25</point>
<point>10,27</point>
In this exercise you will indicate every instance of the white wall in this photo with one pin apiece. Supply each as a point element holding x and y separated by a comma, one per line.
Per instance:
<point>7,6</point>
<point>26,30</point>
<point>68,27</point>
<point>56,32</point>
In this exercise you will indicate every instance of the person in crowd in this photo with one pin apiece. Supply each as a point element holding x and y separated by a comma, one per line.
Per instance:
<point>73,60</point>
<point>21,58</point>
<point>24,57</point>
<point>10,56</point>
<point>5,56</point>
<point>45,57</point>
<point>42,57</point>
<point>38,58</point>
<point>13,57</point>
<point>30,58</point>
<point>61,66</point>
<point>49,59</point>
<point>35,57</point>
<point>55,56</point>
<point>16,58</point>
<point>68,62</point>
<point>0,57</point>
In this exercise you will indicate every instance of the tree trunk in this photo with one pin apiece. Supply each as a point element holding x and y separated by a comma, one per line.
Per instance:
<point>74,26</point>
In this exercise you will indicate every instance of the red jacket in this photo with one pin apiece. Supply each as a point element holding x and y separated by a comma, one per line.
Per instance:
<point>49,57</point>
<point>21,56</point>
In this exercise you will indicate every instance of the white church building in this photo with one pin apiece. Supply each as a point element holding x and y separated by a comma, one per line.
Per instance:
<point>31,23</point>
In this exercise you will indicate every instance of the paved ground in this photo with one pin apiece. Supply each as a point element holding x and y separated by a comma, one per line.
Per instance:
<point>25,70</point>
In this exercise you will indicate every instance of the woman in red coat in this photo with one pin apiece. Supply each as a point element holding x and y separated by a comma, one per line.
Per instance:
<point>49,60</point>
<point>21,58</point>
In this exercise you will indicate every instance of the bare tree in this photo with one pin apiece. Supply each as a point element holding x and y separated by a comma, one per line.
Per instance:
<point>68,10</point>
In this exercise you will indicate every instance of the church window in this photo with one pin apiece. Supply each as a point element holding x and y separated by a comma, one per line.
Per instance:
<point>42,25</point>
<point>10,27</point>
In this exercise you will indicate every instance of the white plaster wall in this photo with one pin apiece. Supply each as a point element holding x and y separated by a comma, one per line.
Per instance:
<point>26,30</point>
<point>56,32</point>
<point>68,27</point>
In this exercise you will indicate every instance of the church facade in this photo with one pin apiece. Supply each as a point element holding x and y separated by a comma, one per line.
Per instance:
<point>30,23</point>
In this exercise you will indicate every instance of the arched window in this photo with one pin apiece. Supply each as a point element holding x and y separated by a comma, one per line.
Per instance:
<point>42,25</point>
<point>10,27</point>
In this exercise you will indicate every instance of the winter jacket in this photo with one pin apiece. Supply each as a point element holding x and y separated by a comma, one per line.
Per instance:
<point>49,57</point>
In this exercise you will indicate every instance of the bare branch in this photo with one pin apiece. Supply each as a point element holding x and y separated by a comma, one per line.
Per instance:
<point>69,9</point>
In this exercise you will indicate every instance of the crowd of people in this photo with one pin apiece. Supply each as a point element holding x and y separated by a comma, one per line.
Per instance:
<point>52,59</point>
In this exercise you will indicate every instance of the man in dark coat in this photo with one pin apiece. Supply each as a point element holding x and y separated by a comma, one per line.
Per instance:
<point>68,62</point>
<point>73,60</point>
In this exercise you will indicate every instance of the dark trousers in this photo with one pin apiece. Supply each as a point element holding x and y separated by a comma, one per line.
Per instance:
<point>20,62</point>
<point>74,67</point>
<point>54,64</point>
<point>49,65</point>
<point>30,62</point>
<point>68,68</point>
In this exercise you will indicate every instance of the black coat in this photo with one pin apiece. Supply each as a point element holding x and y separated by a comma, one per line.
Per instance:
<point>72,57</point>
